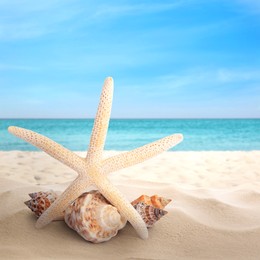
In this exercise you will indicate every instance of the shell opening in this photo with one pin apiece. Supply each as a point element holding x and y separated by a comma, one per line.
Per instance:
<point>109,216</point>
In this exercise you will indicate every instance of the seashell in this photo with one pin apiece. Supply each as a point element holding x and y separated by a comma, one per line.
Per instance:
<point>41,200</point>
<point>155,201</point>
<point>149,214</point>
<point>93,217</point>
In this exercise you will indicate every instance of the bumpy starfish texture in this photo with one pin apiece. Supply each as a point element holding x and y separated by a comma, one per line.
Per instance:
<point>92,170</point>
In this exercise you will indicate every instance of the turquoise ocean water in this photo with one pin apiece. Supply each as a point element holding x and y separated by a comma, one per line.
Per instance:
<point>125,134</point>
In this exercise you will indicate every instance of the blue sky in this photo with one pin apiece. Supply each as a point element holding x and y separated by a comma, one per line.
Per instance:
<point>169,59</point>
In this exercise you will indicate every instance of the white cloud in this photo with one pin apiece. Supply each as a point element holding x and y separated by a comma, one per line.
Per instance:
<point>134,9</point>
<point>4,67</point>
<point>202,80</point>
<point>26,19</point>
<point>250,5</point>
<point>218,75</point>
<point>229,75</point>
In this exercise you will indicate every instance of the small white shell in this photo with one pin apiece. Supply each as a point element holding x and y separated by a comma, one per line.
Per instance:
<point>93,217</point>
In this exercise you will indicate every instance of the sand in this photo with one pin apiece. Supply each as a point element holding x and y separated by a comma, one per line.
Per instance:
<point>215,212</point>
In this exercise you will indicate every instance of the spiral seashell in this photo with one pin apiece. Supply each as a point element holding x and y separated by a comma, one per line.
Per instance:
<point>149,214</point>
<point>155,201</point>
<point>93,217</point>
<point>41,200</point>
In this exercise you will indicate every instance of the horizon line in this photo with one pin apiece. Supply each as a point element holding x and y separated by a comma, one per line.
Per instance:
<point>121,118</point>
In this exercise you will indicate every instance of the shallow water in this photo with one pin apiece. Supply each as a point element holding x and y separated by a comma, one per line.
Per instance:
<point>127,134</point>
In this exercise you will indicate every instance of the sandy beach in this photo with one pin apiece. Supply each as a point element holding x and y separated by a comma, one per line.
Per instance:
<point>215,212</point>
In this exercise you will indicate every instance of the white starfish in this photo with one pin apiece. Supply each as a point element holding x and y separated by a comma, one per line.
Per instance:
<point>92,170</point>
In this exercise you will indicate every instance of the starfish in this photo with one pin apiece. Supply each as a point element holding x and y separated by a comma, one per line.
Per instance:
<point>93,170</point>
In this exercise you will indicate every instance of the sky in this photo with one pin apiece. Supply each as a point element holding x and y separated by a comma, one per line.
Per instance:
<point>169,59</point>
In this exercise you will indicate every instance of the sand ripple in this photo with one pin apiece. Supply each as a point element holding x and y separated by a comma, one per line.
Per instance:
<point>201,224</point>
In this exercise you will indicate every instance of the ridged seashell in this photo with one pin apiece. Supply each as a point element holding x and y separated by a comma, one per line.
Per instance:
<point>149,213</point>
<point>93,217</point>
<point>41,200</point>
<point>155,201</point>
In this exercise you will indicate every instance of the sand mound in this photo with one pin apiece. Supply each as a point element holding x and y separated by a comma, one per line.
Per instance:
<point>201,224</point>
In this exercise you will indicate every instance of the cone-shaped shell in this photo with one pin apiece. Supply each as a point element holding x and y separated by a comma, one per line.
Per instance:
<point>41,200</point>
<point>155,201</point>
<point>93,217</point>
<point>149,213</point>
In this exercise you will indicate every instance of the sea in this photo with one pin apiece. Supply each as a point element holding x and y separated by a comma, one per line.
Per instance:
<point>128,134</point>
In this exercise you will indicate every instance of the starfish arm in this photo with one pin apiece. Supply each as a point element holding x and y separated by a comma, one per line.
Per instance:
<point>141,154</point>
<point>100,127</point>
<point>52,148</point>
<point>116,198</point>
<point>56,210</point>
